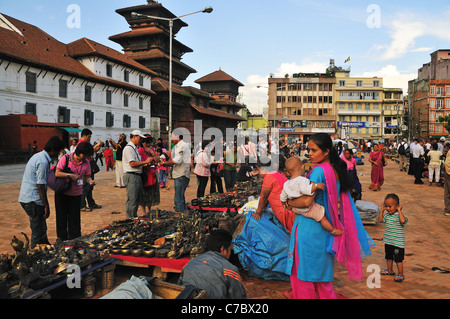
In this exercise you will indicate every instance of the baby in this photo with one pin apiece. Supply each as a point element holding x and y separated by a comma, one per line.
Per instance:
<point>298,186</point>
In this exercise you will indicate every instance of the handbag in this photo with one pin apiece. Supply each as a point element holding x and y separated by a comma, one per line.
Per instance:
<point>94,167</point>
<point>149,177</point>
<point>59,184</point>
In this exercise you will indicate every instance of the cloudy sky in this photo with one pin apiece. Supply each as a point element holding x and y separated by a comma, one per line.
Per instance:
<point>252,39</point>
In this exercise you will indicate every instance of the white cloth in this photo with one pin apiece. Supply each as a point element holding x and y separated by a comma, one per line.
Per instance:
<point>202,164</point>
<point>296,188</point>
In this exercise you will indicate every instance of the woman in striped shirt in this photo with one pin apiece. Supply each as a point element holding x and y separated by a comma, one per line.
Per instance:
<point>394,235</point>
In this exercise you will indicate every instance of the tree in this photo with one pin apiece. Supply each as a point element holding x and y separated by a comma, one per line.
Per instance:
<point>446,121</point>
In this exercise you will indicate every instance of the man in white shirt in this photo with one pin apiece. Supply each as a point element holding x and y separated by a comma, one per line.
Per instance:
<point>132,169</point>
<point>402,149</point>
<point>411,169</point>
<point>417,153</point>
<point>180,160</point>
<point>262,147</point>
<point>441,144</point>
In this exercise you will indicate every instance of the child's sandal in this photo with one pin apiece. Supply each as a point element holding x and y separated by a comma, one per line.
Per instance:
<point>399,278</point>
<point>387,273</point>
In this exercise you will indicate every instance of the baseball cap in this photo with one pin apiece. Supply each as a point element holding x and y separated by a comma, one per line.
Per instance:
<point>137,132</point>
<point>442,139</point>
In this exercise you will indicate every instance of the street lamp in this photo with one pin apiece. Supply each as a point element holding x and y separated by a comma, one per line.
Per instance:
<point>171,20</point>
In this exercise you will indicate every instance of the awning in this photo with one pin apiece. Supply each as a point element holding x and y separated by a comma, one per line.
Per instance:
<point>71,129</point>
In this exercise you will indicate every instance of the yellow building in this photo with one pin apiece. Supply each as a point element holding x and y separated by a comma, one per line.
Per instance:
<point>392,118</point>
<point>359,106</point>
<point>256,122</point>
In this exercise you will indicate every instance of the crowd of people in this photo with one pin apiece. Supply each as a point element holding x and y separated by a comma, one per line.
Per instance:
<point>316,210</point>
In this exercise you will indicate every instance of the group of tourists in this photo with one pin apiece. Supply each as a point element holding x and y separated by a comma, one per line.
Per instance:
<point>74,167</point>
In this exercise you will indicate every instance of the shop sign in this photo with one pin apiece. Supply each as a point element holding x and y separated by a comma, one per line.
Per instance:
<point>285,129</point>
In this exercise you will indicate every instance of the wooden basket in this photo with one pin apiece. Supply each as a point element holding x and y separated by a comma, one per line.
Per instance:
<point>166,290</point>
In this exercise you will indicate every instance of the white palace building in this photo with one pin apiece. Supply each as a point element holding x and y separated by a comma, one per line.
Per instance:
<point>83,82</point>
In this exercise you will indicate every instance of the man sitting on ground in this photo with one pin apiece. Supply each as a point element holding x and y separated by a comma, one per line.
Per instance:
<point>213,272</point>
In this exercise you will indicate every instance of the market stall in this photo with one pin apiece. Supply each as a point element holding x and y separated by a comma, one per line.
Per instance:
<point>31,273</point>
<point>165,240</point>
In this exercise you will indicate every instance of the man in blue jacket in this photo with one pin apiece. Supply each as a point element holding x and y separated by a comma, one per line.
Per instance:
<point>213,272</point>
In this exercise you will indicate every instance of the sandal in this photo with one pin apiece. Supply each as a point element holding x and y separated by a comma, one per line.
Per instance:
<point>439,270</point>
<point>399,278</point>
<point>387,273</point>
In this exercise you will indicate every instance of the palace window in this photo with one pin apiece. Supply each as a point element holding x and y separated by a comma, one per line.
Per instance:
<point>62,88</point>
<point>30,82</point>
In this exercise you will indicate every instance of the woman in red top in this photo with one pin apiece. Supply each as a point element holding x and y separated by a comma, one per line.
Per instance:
<point>270,193</point>
<point>150,195</point>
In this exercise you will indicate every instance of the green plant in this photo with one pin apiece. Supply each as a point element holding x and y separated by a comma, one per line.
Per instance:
<point>446,121</point>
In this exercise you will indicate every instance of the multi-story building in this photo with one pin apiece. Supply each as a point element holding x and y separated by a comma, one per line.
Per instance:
<point>82,82</point>
<point>439,97</point>
<point>359,104</point>
<point>302,105</point>
<point>393,115</point>
<point>429,97</point>
<point>345,107</point>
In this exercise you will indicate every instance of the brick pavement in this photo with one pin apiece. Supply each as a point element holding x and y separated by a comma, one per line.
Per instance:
<point>427,235</point>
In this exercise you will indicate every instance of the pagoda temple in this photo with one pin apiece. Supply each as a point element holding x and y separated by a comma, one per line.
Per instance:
<point>148,43</point>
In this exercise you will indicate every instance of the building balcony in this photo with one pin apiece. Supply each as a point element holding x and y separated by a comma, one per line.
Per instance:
<point>393,112</point>
<point>359,112</point>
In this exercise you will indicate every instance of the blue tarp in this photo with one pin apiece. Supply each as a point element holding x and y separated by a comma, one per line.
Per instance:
<point>262,247</point>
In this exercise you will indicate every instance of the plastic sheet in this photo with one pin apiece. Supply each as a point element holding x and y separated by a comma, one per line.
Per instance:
<point>134,288</point>
<point>263,246</point>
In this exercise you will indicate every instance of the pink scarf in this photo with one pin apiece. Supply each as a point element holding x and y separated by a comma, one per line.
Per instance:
<point>346,247</point>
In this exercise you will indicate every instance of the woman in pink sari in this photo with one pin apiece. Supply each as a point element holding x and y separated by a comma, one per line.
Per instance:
<point>378,160</point>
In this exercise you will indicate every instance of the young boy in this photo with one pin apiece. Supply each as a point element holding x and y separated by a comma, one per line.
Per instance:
<point>394,235</point>
<point>298,186</point>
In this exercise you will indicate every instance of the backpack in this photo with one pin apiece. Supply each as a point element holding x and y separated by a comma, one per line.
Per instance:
<point>401,149</point>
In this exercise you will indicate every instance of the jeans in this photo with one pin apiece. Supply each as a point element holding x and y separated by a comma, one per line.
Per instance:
<point>133,183</point>
<point>38,223</point>
<point>180,184</point>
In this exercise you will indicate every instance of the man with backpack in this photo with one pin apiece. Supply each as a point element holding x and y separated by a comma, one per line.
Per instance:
<point>402,151</point>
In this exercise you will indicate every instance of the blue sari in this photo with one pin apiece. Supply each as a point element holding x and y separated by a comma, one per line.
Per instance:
<point>316,248</point>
